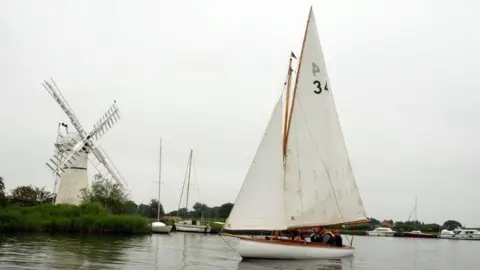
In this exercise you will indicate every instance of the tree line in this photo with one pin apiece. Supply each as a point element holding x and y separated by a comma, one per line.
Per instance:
<point>116,201</point>
<point>407,225</point>
<point>111,197</point>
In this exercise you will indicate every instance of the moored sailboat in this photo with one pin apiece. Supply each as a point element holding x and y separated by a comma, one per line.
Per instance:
<point>417,233</point>
<point>157,226</point>
<point>301,175</point>
<point>190,225</point>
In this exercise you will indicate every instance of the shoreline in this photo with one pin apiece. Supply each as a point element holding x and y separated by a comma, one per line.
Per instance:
<point>93,219</point>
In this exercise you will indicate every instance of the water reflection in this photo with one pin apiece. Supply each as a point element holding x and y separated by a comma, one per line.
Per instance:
<point>156,242</point>
<point>296,265</point>
<point>184,253</point>
<point>198,251</point>
<point>28,251</point>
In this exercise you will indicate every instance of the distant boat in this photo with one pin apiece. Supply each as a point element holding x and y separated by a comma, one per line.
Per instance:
<point>460,234</point>
<point>160,227</point>
<point>381,231</point>
<point>190,225</point>
<point>300,176</point>
<point>446,234</point>
<point>417,233</point>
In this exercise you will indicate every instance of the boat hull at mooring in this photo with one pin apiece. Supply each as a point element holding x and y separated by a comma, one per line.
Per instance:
<point>183,227</point>
<point>419,235</point>
<point>251,248</point>
<point>164,229</point>
<point>160,227</point>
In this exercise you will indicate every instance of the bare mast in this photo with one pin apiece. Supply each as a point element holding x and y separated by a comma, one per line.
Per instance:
<point>159,180</point>
<point>189,173</point>
<point>187,176</point>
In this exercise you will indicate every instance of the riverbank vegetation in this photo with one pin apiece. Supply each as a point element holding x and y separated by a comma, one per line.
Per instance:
<point>30,209</point>
<point>86,218</point>
<point>106,208</point>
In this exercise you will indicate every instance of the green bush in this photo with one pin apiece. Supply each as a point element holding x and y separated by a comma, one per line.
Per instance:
<point>86,218</point>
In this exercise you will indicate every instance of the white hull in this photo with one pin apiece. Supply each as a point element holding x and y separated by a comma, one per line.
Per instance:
<point>460,237</point>
<point>161,229</point>
<point>387,234</point>
<point>192,228</point>
<point>460,234</point>
<point>289,250</point>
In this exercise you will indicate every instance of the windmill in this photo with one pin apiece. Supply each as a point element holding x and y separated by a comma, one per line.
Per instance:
<point>73,150</point>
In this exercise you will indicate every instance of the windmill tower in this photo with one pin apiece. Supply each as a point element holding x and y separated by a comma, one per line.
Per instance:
<point>73,150</point>
<point>69,184</point>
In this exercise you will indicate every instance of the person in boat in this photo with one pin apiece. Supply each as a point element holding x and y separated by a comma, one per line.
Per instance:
<point>337,239</point>
<point>297,236</point>
<point>327,236</point>
<point>315,236</point>
<point>276,235</point>
<point>291,234</point>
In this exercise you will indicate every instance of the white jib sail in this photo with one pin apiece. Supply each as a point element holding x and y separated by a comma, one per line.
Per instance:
<point>320,188</point>
<point>259,204</point>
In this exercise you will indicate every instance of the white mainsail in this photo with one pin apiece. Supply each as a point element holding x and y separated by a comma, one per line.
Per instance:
<point>259,205</point>
<point>314,184</point>
<point>320,188</point>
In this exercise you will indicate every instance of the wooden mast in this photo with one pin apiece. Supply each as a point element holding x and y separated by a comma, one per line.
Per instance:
<point>287,107</point>
<point>285,135</point>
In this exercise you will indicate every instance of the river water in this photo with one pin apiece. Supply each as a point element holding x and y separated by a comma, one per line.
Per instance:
<point>199,251</point>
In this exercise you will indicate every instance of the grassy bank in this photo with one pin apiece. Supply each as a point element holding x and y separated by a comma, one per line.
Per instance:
<point>88,218</point>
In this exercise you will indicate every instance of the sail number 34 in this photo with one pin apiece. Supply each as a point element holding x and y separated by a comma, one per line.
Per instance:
<point>318,85</point>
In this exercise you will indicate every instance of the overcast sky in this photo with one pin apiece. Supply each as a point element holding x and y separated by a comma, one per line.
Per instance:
<point>206,74</point>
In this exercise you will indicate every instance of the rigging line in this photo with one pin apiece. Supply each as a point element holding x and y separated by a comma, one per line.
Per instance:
<point>320,156</point>
<point>189,177</point>
<point>344,143</point>
<point>195,174</point>
<point>299,174</point>
<point>324,165</point>
<point>228,244</point>
<point>411,214</point>
<point>183,188</point>
<point>198,184</point>
<point>285,203</point>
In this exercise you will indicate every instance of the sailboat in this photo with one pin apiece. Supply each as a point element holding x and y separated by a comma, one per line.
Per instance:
<point>417,233</point>
<point>190,225</point>
<point>301,175</point>
<point>160,227</point>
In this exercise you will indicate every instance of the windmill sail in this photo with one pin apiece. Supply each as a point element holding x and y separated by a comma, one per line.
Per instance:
<point>313,184</point>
